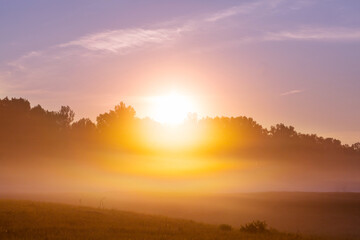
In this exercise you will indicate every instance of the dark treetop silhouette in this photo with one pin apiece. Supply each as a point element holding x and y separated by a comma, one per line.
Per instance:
<point>38,146</point>
<point>37,131</point>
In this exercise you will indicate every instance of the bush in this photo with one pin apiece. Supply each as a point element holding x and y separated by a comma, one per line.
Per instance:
<point>255,227</point>
<point>225,227</point>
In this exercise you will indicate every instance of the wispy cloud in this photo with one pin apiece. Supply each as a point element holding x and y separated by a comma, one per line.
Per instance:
<point>316,34</point>
<point>296,91</point>
<point>40,66</point>
<point>120,41</point>
<point>245,8</point>
<point>124,41</point>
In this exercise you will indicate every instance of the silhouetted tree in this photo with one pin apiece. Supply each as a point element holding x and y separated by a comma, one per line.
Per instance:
<point>65,117</point>
<point>282,131</point>
<point>38,130</point>
<point>115,118</point>
<point>83,125</point>
<point>356,147</point>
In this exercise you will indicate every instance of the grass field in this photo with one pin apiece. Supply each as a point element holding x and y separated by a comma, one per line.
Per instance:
<point>326,214</point>
<point>36,220</point>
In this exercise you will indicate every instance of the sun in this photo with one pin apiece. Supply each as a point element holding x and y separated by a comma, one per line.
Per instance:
<point>172,109</point>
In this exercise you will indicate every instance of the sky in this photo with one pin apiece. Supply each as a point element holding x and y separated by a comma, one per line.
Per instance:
<point>277,61</point>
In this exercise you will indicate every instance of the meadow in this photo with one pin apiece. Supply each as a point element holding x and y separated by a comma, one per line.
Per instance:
<point>36,220</point>
<point>312,215</point>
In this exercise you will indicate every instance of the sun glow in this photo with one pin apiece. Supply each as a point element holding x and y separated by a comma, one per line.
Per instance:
<point>172,109</point>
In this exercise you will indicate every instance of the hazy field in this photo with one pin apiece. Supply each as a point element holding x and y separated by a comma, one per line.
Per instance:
<point>327,214</point>
<point>34,220</point>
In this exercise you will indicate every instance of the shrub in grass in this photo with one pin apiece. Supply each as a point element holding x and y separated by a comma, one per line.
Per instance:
<point>225,227</point>
<point>255,227</point>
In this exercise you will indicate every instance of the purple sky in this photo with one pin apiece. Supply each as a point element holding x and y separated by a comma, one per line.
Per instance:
<point>295,61</point>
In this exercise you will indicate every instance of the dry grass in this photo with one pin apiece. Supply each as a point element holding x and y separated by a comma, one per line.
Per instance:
<point>35,220</point>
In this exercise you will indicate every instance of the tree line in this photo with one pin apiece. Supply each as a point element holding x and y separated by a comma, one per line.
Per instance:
<point>35,130</point>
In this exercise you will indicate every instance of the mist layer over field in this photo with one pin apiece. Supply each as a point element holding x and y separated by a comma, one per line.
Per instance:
<point>47,151</point>
<point>211,170</point>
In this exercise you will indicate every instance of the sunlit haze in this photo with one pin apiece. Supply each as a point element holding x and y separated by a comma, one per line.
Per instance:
<point>276,61</point>
<point>243,115</point>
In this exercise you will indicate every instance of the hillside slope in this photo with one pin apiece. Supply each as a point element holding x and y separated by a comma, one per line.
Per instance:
<point>34,220</point>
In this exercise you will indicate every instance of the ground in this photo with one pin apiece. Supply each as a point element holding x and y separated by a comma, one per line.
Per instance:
<point>38,220</point>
